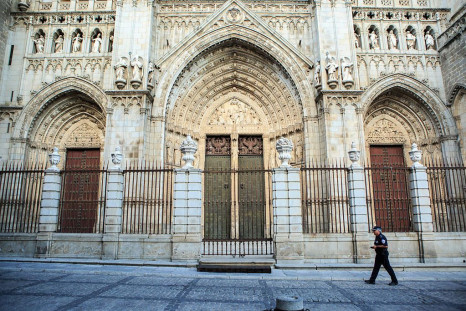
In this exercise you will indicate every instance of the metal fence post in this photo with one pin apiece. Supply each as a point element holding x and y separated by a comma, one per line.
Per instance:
<point>287,212</point>
<point>187,206</point>
<point>49,206</point>
<point>422,213</point>
<point>358,207</point>
<point>113,207</point>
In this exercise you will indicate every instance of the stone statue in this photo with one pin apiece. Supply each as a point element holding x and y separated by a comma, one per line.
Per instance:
<point>137,65</point>
<point>430,43</point>
<point>356,40</point>
<point>110,44</point>
<point>317,74</point>
<point>97,43</point>
<point>410,40</point>
<point>59,44</point>
<point>77,43</point>
<point>331,68</point>
<point>347,69</point>
<point>373,40</point>
<point>392,40</point>
<point>150,73</point>
<point>120,69</point>
<point>40,44</point>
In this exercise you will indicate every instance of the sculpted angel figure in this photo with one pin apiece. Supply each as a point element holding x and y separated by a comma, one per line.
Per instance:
<point>137,65</point>
<point>39,43</point>
<point>392,40</point>
<point>373,40</point>
<point>97,43</point>
<point>77,43</point>
<point>59,44</point>
<point>347,69</point>
<point>430,43</point>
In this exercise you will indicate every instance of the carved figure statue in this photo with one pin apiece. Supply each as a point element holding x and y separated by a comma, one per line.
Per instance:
<point>59,44</point>
<point>150,73</point>
<point>77,43</point>
<point>373,40</point>
<point>356,40</point>
<point>347,69</point>
<point>137,65</point>
<point>392,40</point>
<point>331,68</point>
<point>410,40</point>
<point>40,43</point>
<point>317,75</point>
<point>430,43</point>
<point>110,44</point>
<point>120,69</point>
<point>97,43</point>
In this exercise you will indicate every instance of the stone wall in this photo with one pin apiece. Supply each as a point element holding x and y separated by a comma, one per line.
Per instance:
<point>5,8</point>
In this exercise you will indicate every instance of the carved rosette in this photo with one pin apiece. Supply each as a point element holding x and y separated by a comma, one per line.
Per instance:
<point>354,154</point>
<point>415,155</point>
<point>234,16</point>
<point>117,157</point>
<point>188,149</point>
<point>54,159</point>
<point>284,147</point>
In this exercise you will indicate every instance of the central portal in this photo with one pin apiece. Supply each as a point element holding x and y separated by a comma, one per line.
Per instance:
<point>236,208</point>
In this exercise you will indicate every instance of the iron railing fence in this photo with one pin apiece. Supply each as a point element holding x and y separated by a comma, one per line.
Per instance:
<point>447,186</point>
<point>82,200</point>
<point>238,213</point>
<point>388,198</point>
<point>325,202</point>
<point>20,196</point>
<point>148,199</point>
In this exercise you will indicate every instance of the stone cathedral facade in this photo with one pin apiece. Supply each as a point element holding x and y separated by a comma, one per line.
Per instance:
<point>236,76</point>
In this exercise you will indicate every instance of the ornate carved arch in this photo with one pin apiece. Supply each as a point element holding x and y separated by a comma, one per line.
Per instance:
<point>425,99</point>
<point>71,86</point>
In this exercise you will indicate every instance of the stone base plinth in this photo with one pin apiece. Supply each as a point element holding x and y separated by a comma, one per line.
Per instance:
<point>186,247</point>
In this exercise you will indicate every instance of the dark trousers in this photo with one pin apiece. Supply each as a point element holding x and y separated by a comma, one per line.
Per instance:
<point>382,259</point>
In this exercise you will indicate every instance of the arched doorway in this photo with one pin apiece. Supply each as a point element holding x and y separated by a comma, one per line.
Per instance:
<point>236,100</point>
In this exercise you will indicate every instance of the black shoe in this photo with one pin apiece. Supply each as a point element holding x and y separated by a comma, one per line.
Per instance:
<point>393,283</point>
<point>369,282</point>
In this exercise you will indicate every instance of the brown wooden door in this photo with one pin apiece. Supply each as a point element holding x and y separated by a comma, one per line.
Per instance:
<point>81,191</point>
<point>391,201</point>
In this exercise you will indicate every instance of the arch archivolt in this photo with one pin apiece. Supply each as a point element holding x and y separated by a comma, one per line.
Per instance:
<point>233,88</point>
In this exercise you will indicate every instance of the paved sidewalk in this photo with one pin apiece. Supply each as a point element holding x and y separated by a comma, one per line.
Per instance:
<point>54,286</point>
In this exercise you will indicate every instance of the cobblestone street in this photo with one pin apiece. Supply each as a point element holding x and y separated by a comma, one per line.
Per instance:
<point>51,286</point>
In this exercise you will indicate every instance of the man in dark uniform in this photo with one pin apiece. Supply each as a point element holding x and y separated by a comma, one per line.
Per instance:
<point>381,258</point>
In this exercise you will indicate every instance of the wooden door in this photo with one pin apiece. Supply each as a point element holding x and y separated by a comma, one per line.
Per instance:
<point>391,200</point>
<point>251,184</point>
<point>80,193</point>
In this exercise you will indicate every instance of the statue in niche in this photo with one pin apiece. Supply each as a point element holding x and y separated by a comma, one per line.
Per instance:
<point>40,44</point>
<point>317,74</point>
<point>137,71</point>
<point>59,44</point>
<point>77,43</point>
<point>392,40</point>
<point>356,40</point>
<point>410,40</point>
<point>347,69</point>
<point>430,42</point>
<point>97,43</point>
<point>110,44</point>
<point>373,40</point>
<point>150,74</point>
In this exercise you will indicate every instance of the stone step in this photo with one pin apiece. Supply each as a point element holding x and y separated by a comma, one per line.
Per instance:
<point>247,264</point>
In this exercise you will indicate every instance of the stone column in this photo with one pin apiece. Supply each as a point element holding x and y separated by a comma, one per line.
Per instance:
<point>287,213</point>
<point>422,213</point>
<point>358,207</point>
<point>49,205</point>
<point>114,207</point>
<point>187,208</point>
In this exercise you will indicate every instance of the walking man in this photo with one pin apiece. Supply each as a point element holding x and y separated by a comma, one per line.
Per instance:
<point>381,257</point>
